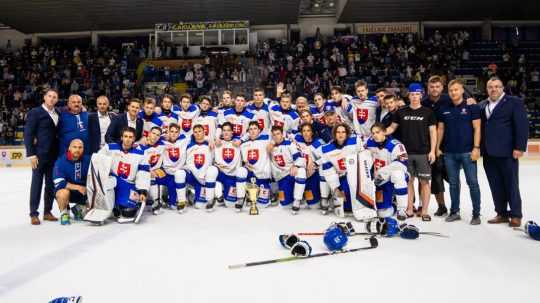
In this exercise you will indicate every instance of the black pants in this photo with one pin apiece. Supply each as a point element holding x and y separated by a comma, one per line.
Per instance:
<point>44,170</point>
<point>503,178</point>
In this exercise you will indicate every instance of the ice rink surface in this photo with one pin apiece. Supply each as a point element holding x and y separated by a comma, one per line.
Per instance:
<point>184,258</point>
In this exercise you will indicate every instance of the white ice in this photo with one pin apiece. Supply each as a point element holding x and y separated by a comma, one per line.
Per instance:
<point>184,258</point>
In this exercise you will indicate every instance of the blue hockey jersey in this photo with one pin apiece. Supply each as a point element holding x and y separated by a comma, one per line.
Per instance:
<point>67,171</point>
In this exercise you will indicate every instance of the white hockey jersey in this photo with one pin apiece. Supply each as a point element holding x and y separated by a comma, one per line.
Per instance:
<point>255,153</point>
<point>208,120</point>
<point>167,119</point>
<point>385,153</point>
<point>130,165</point>
<point>199,157</point>
<point>288,120</point>
<point>154,154</point>
<point>227,158</point>
<point>185,118</point>
<point>149,122</point>
<point>174,155</point>
<point>312,152</point>
<point>240,121</point>
<point>334,155</point>
<point>262,116</point>
<point>363,115</point>
<point>283,157</point>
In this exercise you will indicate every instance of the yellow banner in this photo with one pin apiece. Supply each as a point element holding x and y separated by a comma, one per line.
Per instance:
<point>388,28</point>
<point>201,26</point>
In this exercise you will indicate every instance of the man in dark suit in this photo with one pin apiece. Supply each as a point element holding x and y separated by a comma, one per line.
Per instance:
<point>41,143</point>
<point>98,124</point>
<point>130,119</point>
<point>505,131</point>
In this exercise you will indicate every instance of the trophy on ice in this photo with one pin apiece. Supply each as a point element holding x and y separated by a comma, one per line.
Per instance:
<point>252,191</point>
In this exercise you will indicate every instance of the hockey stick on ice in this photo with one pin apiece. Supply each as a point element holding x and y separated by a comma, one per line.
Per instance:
<point>427,233</point>
<point>372,241</point>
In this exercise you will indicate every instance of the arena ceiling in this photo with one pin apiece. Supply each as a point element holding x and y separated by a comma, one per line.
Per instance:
<point>438,10</point>
<point>45,16</point>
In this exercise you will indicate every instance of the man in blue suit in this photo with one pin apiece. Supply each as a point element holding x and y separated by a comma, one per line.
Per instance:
<point>505,131</point>
<point>98,124</point>
<point>130,118</point>
<point>41,143</point>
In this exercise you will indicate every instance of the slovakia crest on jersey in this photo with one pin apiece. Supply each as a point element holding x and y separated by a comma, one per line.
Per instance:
<point>253,156</point>
<point>228,155</point>
<point>261,123</point>
<point>362,115</point>
<point>206,129</point>
<point>199,159</point>
<point>154,158</point>
<point>378,164</point>
<point>237,129</point>
<point>279,160</point>
<point>186,125</point>
<point>174,153</point>
<point>145,133</point>
<point>123,170</point>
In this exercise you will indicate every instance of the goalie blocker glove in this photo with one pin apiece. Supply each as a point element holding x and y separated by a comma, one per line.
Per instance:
<point>532,230</point>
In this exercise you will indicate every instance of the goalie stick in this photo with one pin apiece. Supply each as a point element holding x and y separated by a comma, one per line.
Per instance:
<point>372,241</point>
<point>137,217</point>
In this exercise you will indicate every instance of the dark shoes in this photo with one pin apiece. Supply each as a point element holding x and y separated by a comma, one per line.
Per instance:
<point>498,220</point>
<point>515,222</point>
<point>476,220</point>
<point>441,211</point>
<point>34,220</point>
<point>49,217</point>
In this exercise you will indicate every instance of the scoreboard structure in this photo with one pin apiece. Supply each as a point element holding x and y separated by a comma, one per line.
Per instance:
<point>233,35</point>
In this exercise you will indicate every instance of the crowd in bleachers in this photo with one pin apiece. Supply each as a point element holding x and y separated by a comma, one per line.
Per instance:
<point>306,67</point>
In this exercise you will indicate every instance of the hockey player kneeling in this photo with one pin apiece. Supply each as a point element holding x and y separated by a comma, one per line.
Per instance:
<point>69,177</point>
<point>227,160</point>
<point>390,172</point>
<point>153,152</point>
<point>288,169</point>
<point>346,170</point>
<point>199,171</point>
<point>129,179</point>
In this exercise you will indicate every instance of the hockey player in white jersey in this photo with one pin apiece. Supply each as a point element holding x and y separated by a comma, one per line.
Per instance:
<point>260,110</point>
<point>311,148</point>
<point>200,173</point>
<point>167,116</point>
<point>288,169</point>
<point>208,119</point>
<point>225,103</point>
<point>239,117</point>
<point>227,159</point>
<point>389,172</point>
<point>149,117</point>
<point>340,101</point>
<point>153,151</point>
<point>334,169</point>
<point>129,179</point>
<point>255,156</point>
<point>362,110</point>
<point>284,116</point>
<point>186,114</point>
<point>174,159</point>
<point>319,107</point>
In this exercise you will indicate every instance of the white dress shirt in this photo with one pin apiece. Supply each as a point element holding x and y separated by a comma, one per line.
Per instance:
<point>52,113</point>
<point>104,122</point>
<point>132,123</point>
<point>491,105</point>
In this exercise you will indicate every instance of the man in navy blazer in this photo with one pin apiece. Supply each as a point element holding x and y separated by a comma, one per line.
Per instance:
<point>41,143</point>
<point>98,124</point>
<point>130,119</point>
<point>505,131</point>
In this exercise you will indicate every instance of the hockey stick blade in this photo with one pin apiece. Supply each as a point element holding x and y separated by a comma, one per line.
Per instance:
<point>372,241</point>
